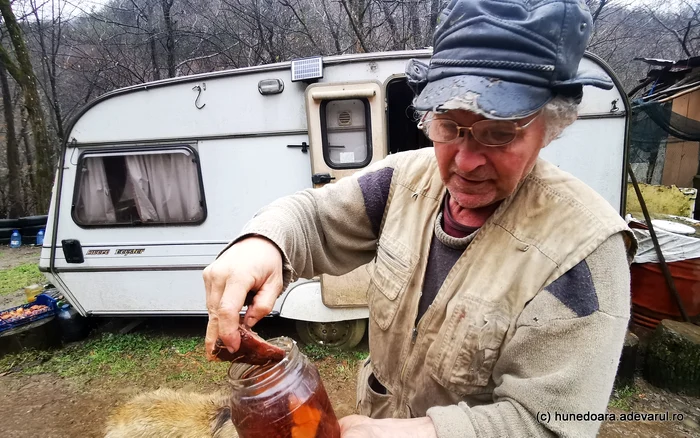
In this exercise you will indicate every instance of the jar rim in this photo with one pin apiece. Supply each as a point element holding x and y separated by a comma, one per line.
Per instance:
<point>290,348</point>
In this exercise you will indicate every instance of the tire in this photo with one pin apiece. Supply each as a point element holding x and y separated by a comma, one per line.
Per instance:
<point>343,335</point>
<point>11,223</point>
<point>29,233</point>
<point>33,221</point>
<point>5,234</point>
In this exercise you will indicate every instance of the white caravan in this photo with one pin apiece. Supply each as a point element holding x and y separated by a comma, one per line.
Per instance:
<point>219,146</point>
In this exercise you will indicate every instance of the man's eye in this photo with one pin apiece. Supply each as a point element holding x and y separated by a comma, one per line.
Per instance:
<point>442,130</point>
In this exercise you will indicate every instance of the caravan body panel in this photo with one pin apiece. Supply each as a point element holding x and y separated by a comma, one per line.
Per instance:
<point>248,150</point>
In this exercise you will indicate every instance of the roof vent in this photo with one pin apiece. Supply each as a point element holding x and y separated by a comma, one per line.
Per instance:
<point>344,118</point>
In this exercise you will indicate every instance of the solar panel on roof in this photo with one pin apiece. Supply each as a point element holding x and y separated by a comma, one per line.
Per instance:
<point>307,68</point>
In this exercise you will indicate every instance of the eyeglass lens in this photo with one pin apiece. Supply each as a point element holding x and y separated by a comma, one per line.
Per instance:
<point>488,132</point>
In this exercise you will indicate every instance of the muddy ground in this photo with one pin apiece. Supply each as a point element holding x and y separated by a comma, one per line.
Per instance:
<point>48,405</point>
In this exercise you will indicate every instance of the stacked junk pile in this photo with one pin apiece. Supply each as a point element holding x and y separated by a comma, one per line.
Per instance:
<point>661,204</point>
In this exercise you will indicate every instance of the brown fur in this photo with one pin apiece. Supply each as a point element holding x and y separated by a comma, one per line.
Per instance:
<point>172,414</point>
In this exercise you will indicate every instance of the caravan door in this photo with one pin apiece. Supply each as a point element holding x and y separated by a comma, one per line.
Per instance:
<point>346,133</point>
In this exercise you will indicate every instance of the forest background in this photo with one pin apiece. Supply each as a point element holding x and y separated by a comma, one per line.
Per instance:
<point>57,55</point>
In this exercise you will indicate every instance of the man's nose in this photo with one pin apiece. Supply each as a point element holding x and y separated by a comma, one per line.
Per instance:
<point>470,154</point>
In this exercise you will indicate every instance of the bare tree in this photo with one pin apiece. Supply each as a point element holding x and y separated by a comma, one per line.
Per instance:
<point>23,73</point>
<point>49,33</point>
<point>683,24</point>
<point>14,204</point>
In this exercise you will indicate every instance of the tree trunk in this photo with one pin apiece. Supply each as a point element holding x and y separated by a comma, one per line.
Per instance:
<point>53,72</point>
<point>415,24</point>
<point>673,357</point>
<point>169,36</point>
<point>23,73</point>
<point>15,207</point>
<point>29,174</point>
<point>434,13</point>
<point>48,56</point>
<point>333,28</point>
<point>396,40</point>
<point>154,57</point>
<point>356,24</point>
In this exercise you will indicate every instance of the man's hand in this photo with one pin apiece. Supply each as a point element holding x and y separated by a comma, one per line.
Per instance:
<point>253,264</point>
<point>358,426</point>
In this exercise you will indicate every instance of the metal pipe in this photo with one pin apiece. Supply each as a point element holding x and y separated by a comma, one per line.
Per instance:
<point>664,267</point>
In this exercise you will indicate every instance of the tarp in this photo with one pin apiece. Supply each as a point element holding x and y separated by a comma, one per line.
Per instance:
<point>671,122</point>
<point>674,247</point>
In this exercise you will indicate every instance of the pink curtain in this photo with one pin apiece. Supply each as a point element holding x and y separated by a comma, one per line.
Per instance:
<point>165,187</point>
<point>94,202</point>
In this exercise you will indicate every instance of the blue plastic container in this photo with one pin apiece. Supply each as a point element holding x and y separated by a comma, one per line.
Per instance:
<point>15,239</point>
<point>40,299</point>
<point>40,238</point>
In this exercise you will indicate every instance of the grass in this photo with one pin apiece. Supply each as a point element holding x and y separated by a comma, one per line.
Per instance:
<point>319,352</point>
<point>622,397</point>
<point>19,277</point>
<point>148,358</point>
<point>132,356</point>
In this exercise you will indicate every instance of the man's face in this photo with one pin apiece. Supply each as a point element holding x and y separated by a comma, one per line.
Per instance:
<point>477,175</point>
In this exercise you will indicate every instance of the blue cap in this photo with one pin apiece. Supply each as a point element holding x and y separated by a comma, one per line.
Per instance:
<point>510,56</point>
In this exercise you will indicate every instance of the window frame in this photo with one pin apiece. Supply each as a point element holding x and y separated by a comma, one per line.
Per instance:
<point>138,150</point>
<point>324,135</point>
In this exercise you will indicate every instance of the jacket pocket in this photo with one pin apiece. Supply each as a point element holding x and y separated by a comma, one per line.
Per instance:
<point>392,271</point>
<point>373,399</point>
<point>469,348</point>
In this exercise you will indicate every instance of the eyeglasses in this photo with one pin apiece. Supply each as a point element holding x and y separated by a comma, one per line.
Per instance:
<point>491,133</point>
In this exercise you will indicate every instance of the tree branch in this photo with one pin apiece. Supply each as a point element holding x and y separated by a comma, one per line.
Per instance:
<point>358,34</point>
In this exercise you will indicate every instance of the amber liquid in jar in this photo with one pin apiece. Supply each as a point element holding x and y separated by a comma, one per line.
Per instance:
<point>281,400</point>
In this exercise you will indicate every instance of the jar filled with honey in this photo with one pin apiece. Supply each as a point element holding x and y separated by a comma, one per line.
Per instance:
<point>281,399</point>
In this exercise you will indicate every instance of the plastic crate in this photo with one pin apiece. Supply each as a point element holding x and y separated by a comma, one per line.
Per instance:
<point>41,299</point>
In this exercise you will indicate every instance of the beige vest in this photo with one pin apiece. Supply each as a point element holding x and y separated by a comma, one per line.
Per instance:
<point>551,223</point>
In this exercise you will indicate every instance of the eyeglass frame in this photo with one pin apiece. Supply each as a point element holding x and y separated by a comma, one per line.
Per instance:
<point>460,129</point>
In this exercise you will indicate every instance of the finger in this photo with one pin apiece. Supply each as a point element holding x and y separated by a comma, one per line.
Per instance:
<point>211,336</point>
<point>214,284</point>
<point>212,324</point>
<point>230,306</point>
<point>263,303</point>
<point>350,421</point>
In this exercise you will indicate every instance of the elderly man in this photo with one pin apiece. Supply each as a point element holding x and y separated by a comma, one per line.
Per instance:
<point>500,284</point>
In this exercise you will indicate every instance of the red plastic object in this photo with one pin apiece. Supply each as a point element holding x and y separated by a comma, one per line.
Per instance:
<point>651,299</point>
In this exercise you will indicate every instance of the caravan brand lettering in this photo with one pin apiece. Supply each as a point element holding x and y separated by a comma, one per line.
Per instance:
<point>97,252</point>
<point>130,251</point>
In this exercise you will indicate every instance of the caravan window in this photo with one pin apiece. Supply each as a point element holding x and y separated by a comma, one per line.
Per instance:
<point>346,132</point>
<point>139,188</point>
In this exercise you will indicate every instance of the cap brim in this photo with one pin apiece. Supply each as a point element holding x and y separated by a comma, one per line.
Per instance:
<point>494,98</point>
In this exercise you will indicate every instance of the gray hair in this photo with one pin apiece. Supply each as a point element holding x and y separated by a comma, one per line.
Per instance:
<point>558,113</point>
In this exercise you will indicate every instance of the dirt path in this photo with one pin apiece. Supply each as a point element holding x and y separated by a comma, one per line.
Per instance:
<point>12,257</point>
<point>46,406</point>
<point>51,407</point>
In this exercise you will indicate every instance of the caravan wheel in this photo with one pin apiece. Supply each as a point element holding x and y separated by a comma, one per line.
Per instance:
<point>344,335</point>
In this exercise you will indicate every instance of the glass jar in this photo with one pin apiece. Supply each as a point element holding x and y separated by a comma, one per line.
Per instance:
<point>285,399</point>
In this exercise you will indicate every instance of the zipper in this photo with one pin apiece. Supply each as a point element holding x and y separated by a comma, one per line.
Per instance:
<point>416,327</point>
